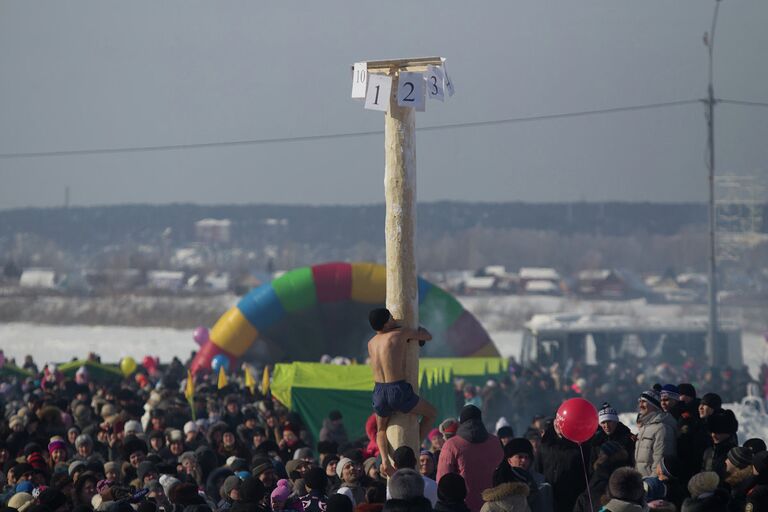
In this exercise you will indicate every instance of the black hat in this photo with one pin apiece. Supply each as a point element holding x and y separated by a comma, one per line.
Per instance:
<point>687,389</point>
<point>338,503</point>
<point>452,488</point>
<point>518,445</point>
<point>723,422</point>
<point>315,478</point>
<point>252,490</point>
<point>505,431</point>
<point>755,445</point>
<point>712,400</point>
<point>52,498</point>
<point>469,412</point>
<point>132,444</point>
<point>760,461</point>
<point>329,459</point>
<point>327,447</point>
<point>145,467</point>
<point>334,415</point>
<point>671,466</point>
<point>740,456</point>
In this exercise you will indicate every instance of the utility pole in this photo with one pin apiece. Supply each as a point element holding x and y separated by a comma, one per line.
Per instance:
<point>400,224</point>
<point>712,329</point>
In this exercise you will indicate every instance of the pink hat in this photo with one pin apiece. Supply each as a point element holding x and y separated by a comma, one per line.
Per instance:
<point>281,492</point>
<point>433,434</point>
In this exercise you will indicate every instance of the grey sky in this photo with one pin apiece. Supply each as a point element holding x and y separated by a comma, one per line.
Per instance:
<point>94,74</point>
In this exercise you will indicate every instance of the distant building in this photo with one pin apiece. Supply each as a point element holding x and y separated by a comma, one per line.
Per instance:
<point>604,284</point>
<point>165,279</point>
<point>540,280</point>
<point>213,231</point>
<point>38,278</point>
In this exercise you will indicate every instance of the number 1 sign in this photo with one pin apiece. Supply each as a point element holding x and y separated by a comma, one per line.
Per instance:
<point>379,89</point>
<point>410,90</point>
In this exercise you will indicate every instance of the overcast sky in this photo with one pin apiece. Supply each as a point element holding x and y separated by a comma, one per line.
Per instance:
<point>97,75</point>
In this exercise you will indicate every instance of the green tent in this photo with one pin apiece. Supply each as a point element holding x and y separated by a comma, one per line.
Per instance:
<point>11,370</point>
<point>314,389</point>
<point>96,371</point>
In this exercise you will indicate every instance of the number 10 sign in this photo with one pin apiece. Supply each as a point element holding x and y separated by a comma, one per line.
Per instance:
<point>417,80</point>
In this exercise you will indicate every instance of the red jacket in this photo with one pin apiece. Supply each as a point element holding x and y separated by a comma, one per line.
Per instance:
<point>473,461</point>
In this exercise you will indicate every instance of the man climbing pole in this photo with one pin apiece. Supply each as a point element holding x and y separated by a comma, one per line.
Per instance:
<point>392,392</point>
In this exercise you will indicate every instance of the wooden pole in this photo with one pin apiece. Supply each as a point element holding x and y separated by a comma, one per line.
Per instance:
<point>400,231</point>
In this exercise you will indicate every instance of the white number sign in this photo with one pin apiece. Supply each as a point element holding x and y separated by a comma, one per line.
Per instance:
<point>359,79</point>
<point>435,83</point>
<point>379,90</point>
<point>410,90</point>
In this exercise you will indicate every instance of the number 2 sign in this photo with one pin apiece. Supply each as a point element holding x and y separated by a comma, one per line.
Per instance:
<point>410,90</point>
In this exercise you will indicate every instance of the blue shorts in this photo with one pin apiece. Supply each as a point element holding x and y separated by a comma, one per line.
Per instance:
<point>391,397</point>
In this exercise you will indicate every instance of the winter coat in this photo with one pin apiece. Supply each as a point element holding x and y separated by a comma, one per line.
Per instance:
<point>623,506</point>
<point>714,456</point>
<point>507,497</point>
<point>692,440</point>
<point>715,502</point>
<point>656,438</point>
<point>335,432</point>
<point>622,435</point>
<point>442,506</point>
<point>598,484</point>
<point>474,454</point>
<point>314,501</point>
<point>677,492</point>
<point>560,461</point>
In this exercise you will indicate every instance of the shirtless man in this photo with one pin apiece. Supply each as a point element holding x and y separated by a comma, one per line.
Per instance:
<point>392,393</point>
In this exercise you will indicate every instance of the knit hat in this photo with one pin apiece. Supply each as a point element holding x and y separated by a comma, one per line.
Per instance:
<point>760,462</point>
<point>24,486</point>
<point>607,413</point>
<point>262,466</point>
<point>303,453</point>
<point>740,456</point>
<point>654,488</point>
<point>505,431</point>
<point>83,439</point>
<point>111,466</point>
<point>371,462</point>
<point>340,466</point>
<point>452,488</point>
<point>700,483</point>
<point>293,466</point>
<point>723,422</point>
<point>518,445</point>
<point>670,391</point>
<point>449,427</point>
<point>433,434</point>
<point>133,427</point>
<point>230,483</point>
<point>712,400</point>
<point>190,426</point>
<point>75,465</point>
<point>168,482</point>
<point>626,484</point>
<point>334,415</point>
<point>686,389</point>
<point>671,466</point>
<point>56,445</point>
<point>651,397</point>
<point>281,492</point>
<point>469,412</point>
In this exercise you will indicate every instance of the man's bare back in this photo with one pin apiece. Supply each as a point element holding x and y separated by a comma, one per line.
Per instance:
<point>387,353</point>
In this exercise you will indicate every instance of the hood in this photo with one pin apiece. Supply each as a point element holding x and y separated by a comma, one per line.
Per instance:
<point>506,490</point>
<point>653,417</point>
<point>473,431</point>
<point>624,506</point>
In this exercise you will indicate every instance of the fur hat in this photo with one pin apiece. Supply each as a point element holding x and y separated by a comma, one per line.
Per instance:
<point>651,397</point>
<point>626,484</point>
<point>755,445</point>
<point>700,483</point>
<point>452,488</point>
<point>449,427</point>
<point>740,456</point>
<point>20,499</point>
<point>406,483</point>
<point>686,389</point>
<point>670,391</point>
<point>712,400</point>
<point>607,413</point>
<point>723,422</point>
<point>145,467</point>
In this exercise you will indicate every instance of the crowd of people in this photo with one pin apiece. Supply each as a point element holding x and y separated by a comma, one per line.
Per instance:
<point>78,444</point>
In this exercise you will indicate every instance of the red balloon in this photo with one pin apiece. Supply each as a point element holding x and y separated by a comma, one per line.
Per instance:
<point>577,420</point>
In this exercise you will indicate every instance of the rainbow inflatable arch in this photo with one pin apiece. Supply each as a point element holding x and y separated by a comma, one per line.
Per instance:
<point>323,309</point>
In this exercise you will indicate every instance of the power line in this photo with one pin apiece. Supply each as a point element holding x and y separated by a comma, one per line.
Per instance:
<point>308,138</point>
<point>745,103</point>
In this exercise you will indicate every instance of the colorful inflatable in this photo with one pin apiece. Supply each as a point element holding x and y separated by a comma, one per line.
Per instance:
<point>323,309</point>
